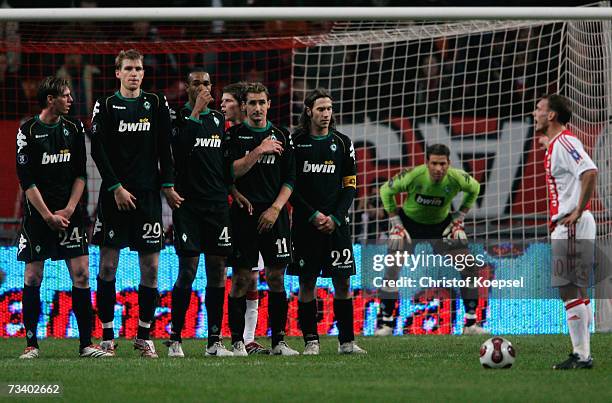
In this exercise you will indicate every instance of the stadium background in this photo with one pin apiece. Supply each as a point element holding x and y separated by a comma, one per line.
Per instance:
<point>391,95</point>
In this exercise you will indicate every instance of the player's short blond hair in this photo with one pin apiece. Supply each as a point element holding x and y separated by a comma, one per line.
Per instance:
<point>130,54</point>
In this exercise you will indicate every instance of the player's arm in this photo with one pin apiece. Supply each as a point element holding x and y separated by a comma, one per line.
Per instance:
<point>26,180</point>
<point>165,154</point>
<point>288,175</point>
<point>238,197</point>
<point>583,167</point>
<point>243,165</point>
<point>99,135</point>
<point>80,168</point>
<point>347,193</point>
<point>398,184</point>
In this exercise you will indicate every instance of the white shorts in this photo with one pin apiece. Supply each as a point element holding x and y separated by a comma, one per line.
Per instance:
<point>573,252</point>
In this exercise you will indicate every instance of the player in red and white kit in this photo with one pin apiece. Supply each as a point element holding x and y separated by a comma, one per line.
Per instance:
<point>571,176</point>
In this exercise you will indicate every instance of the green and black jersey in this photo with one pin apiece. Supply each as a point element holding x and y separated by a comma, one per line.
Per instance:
<point>131,142</point>
<point>429,202</point>
<point>200,156</point>
<point>325,176</point>
<point>51,157</point>
<point>263,182</point>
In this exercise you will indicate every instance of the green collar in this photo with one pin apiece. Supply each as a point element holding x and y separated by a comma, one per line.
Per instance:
<point>258,129</point>
<point>204,112</point>
<point>118,95</point>
<point>319,138</point>
<point>37,117</point>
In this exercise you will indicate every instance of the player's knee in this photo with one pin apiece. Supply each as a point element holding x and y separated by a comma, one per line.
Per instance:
<point>240,282</point>
<point>215,271</point>
<point>32,278</point>
<point>148,276</point>
<point>80,276</point>
<point>108,271</point>
<point>342,288</point>
<point>276,280</point>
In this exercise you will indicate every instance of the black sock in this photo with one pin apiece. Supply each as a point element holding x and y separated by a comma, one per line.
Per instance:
<point>213,299</point>
<point>387,307</point>
<point>343,311</point>
<point>307,317</point>
<point>106,298</point>
<point>277,314</point>
<point>83,311</point>
<point>470,311</point>
<point>470,303</point>
<point>147,298</point>
<point>181,297</point>
<point>236,308</point>
<point>31,311</point>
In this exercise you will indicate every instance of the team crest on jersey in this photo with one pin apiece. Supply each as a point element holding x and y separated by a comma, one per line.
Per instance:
<point>333,147</point>
<point>22,159</point>
<point>302,263</point>
<point>111,234</point>
<point>184,237</point>
<point>273,136</point>
<point>147,105</point>
<point>216,119</point>
<point>21,141</point>
<point>22,244</point>
<point>37,248</point>
<point>66,132</point>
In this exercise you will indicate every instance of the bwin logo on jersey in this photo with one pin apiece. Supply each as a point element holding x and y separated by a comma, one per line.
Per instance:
<point>214,142</point>
<point>327,168</point>
<point>143,125</point>
<point>63,156</point>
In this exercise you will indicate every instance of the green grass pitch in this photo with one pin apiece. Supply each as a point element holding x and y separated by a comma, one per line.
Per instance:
<point>411,368</point>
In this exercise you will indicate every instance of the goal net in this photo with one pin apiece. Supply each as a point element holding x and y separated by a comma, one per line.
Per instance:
<point>471,85</point>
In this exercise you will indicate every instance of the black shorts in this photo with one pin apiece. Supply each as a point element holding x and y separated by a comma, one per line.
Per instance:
<point>38,242</point>
<point>318,254</point>
<point>202,228</point>
<point>432,232</point>
<point>140,229</point>
<point>274,245</point>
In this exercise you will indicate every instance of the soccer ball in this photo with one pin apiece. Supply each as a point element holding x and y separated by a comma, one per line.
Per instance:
<point>497,352</point>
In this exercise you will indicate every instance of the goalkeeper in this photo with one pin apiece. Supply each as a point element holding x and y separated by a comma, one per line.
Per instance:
<point>426,214</point>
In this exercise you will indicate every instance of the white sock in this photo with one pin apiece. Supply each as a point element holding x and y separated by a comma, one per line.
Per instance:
<point>250,320</point>
<point>577,320</point>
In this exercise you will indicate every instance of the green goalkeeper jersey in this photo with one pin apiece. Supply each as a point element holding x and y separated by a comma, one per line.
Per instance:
<point>428,202</point>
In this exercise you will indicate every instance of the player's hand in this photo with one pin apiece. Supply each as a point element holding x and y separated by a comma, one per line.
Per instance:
<point>455,230</point>
<point>571,219</point>
<point>328,226</point>
<point>267,219</point>
<point>202,101</point>
<point>242,201</point>
<point>57,222</point>
<point>172,197</point>
<point>399,238</point>
<point>270,146</point>
<point>124,199</point>
<point>65,212</point>
<point>318,220</point>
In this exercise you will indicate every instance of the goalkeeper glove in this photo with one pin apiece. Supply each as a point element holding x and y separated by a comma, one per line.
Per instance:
<point>397,234</point>
<point>455,229</point>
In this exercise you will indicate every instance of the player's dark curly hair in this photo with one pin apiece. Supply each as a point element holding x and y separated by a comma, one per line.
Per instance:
<point>53,86</point>
<point>255,88</point>
<point>236,90</point>
<point>311,98</point>
<point>437,149</point>
<point>561,105</point>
